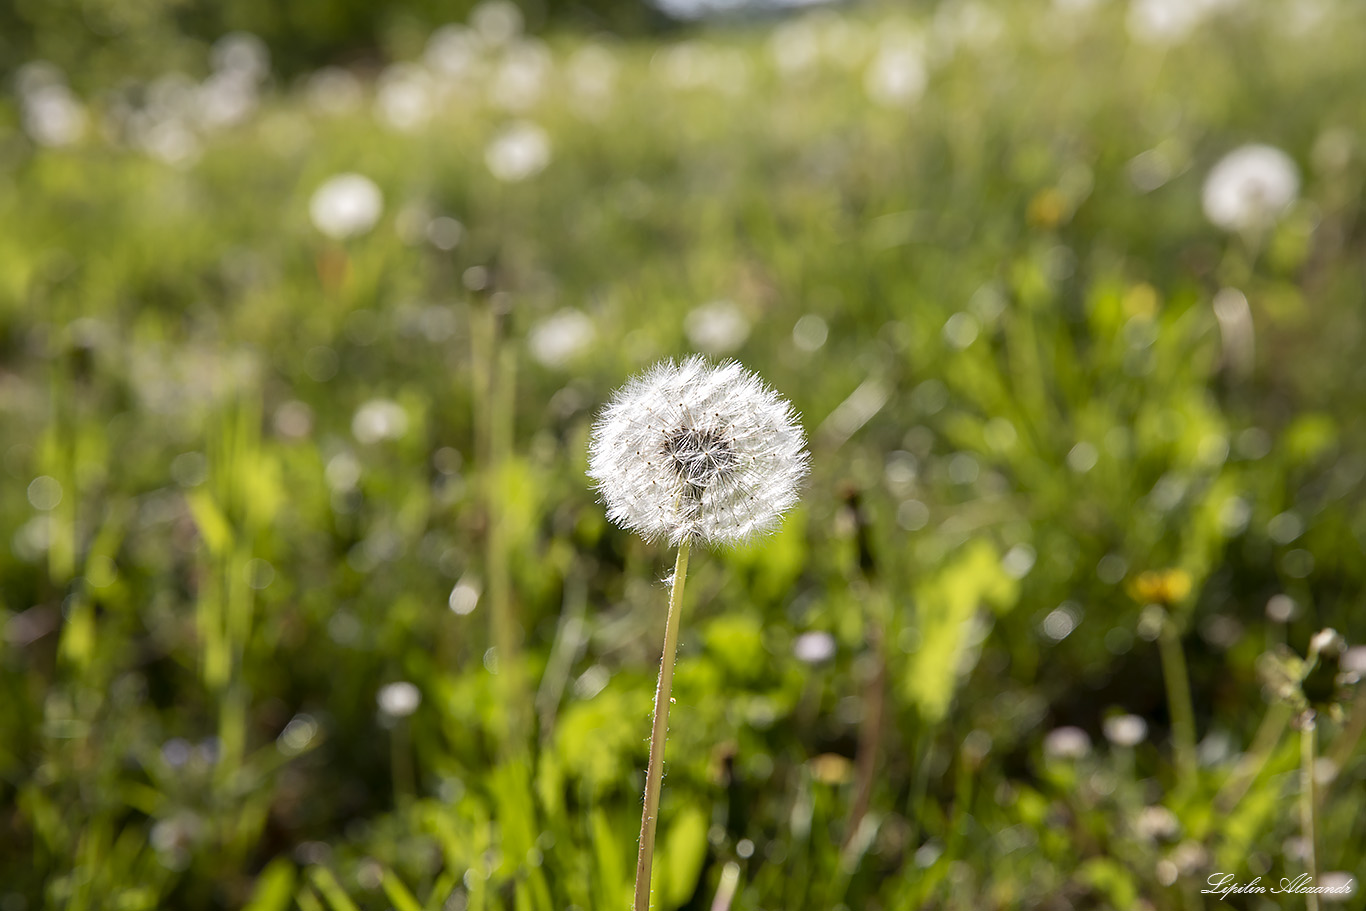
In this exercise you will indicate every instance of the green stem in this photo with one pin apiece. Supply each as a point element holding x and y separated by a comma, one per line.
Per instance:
<point>1346,742</point>
<point>1307,801</point>
<point>654,774</point>
<point>1178,686</point>
<point>1268,735</point>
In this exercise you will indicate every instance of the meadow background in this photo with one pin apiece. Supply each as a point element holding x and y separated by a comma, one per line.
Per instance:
<point>306,601</point>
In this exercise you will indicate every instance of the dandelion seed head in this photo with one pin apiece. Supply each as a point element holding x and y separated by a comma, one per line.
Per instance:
<point>694,451</point>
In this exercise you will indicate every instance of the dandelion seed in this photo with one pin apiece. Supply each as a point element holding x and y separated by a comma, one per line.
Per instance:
<point>1250,188</point>
<point>690,451</point>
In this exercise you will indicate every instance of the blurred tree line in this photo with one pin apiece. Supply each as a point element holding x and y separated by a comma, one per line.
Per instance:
<point>100,41</point>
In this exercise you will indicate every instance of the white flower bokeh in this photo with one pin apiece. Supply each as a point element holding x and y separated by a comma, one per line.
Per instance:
<point>347,205</point>
<point>1250,188</point>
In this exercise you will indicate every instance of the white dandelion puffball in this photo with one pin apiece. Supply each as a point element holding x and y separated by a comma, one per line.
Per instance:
<point>399,700</point>
<point>346,206</point>
<point>1250,188</point>
<point>378,420</point>
<point>693,451</point>
<point>518,152</point>
<point>558,339</point>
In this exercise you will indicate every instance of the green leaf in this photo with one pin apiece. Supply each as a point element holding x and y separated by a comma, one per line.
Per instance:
<point>213,525</point>
<point>332,891</point>
<point>1111,880</point>
<point>398,894</point>
<point>945,604</point>
<point>681,854</point>
<point>274,887</point>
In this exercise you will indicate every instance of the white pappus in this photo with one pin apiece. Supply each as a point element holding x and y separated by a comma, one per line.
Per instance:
<point>691,451</point>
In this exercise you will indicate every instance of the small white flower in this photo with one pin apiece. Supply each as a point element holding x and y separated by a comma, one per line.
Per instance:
<point>518,152</point>
<point>346,206</point>
<point>1250,188</point>
<point>692,451</point>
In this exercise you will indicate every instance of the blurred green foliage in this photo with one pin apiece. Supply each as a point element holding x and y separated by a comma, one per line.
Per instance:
<point>105,41</point>
<point>258,475</point>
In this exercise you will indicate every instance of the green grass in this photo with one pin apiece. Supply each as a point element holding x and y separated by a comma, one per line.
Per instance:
<point>1023,403</point>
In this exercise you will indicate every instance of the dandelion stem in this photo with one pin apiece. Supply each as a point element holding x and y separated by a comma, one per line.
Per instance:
<point>655,772</point>
<point>1346,742</point>
<point>1252,763</point>
<point>1307,801</point>
<point>1177,682</point>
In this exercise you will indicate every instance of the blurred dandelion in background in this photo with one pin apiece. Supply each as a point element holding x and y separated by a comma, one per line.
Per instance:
<point>347,205</point>
<point>333,91</point>
<point>519,151</point>
<point>1163,22</point>
<point>1125,730</point>
<point>452,52</point>
<point>52,114</point>
<point>897,76</point>
<point>719,327</point>
<point>1066,742</point>
<point>815,647</point>
<point>398,700</point>
<point>378,420</point>
<point>404,97</point>
<point>497,22</point>
<point>558,339</point>
<point>1250,188</point>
